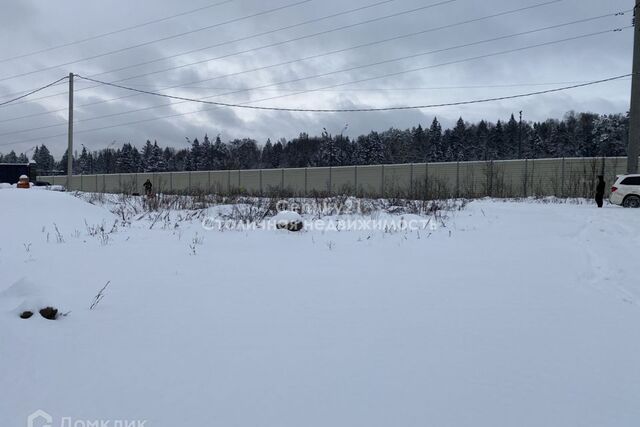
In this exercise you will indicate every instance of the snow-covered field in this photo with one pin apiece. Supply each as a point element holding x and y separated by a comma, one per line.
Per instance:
<point>503,314</point>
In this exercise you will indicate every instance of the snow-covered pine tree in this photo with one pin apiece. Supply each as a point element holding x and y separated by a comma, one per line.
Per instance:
<point>435,152</point>
<point>85,163</point>
<point>206,159</point>
<point>220,154</point>
<point>266,156</point>
<point>11,157</point>
<point>610,133</point>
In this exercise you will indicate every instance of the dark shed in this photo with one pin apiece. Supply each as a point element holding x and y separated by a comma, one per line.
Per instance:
<point>10,172</point>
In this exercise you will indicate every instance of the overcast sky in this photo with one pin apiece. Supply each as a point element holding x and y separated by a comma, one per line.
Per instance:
<point>28,26</point>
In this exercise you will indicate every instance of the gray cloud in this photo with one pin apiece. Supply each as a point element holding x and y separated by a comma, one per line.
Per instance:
<point>30,25</point>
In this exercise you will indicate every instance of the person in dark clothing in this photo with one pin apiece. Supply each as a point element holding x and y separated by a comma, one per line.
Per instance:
<point>147,188</point>
<point>600,191</point>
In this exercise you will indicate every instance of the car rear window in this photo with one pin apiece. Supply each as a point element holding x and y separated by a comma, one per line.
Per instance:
<point>632,180</point>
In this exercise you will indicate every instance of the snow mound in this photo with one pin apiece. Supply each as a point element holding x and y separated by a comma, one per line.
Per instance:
<point>49,187</point>
<point>286,217</point>
<point>23,295</point>
<point>27,216</point>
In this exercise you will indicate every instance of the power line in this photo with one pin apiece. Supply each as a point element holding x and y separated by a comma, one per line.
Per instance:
<point>9,95</point>
<point>184,100</point>
<point>110,33</point>
<point>124,49</point>
<point>369,44</point>
<point>264,33</point>
<point>412,70</point>
<point>359,81</point>
<point>368,21</point>
<point>393,89</point>
<point>33,91</point>
<point>337,71</point>
<point>413,89</point>
<point>370,89</point>
<point>355,110</point>
<point>325,54</point>
<point>358,110</point>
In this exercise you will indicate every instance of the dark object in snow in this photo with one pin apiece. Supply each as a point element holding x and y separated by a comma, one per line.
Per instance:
<point>26,314</point>
<point>291,226</point>
<point>600,191</point>
<point>49,313</point>
<point>288,220</point>
<point>41,184</point>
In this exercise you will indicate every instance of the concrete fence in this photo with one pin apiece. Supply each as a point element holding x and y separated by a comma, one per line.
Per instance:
<point>564,177</point>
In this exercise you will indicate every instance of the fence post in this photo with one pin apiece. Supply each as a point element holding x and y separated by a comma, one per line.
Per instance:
<point>458,179</point>
<point>261,192</point>
<point>170,182</point>
<point>411,181</point>
<point>426,180</point>
<point>282,179</point>
<point>491,176</point>
<point>209,182</point>
<point>306,181</point>
<point>562,192</point>
<point>355,179</point>
<point>189,185</point>
<point>526,173</point>
<point>382,183</point>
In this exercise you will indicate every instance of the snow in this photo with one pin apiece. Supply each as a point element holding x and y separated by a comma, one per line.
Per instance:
<point>504,314</point>
<point>286,217</point>
<point>5,186</point>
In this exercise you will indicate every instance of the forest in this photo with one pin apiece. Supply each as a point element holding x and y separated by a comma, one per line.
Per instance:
<point>575,135</point>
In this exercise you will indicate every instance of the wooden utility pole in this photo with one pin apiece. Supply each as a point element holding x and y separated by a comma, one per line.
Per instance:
<point>520,135</point>
<point>633,148</point>
<point>70,134</point>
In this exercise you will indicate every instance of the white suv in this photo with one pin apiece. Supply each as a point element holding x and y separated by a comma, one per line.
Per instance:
<point>626,191</point>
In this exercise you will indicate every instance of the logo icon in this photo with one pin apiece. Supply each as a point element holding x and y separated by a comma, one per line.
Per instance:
<point>32,420</point>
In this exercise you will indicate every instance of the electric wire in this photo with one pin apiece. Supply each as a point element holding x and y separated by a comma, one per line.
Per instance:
<point>33,91</point>
<point>110,33</point>
<point>255,49</point>
<point>150,42</point>
<point>321,55</point>
<point>217,106</point>
<point>325,74</point>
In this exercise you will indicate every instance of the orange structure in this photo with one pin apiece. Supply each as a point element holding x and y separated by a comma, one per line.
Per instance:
<point>23,182</point>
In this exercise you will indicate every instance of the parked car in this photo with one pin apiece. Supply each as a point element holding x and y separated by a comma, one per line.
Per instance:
<point>626,191</point>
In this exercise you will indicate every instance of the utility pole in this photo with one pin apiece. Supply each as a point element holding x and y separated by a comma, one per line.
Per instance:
<point>520,135</point>
<point>70,133</point>
<point>633,148</point>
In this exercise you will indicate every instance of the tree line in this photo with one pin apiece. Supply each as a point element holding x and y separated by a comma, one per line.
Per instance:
<point>575,135</point>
